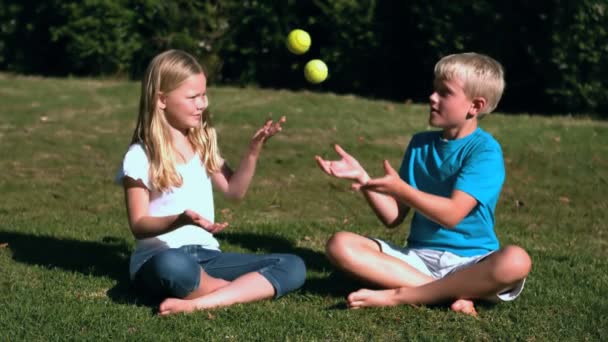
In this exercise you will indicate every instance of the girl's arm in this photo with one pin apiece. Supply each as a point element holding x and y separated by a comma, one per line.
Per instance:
<point>234,184</point>
<point>137,197</point>
<point>447,212</point>
<point>389,211</point>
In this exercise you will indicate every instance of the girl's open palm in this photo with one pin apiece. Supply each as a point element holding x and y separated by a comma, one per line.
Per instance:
<point>345,168</point>
<point>267,131</point>
<point>192,217</point>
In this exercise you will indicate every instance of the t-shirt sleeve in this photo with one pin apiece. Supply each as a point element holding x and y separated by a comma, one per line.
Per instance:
<point>482,175</point>
<point>404,168</point>
<point>134,165</point>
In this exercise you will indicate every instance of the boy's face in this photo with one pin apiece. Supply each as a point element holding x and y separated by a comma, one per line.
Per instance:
<point>450,106</point>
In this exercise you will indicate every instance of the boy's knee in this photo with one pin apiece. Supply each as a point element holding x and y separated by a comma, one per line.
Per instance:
<point>514,264</point>
<point>338,245</point>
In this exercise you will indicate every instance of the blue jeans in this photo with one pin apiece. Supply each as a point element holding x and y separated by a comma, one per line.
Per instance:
<point>176,272</point>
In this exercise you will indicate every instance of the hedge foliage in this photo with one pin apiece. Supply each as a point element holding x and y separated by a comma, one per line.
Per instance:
<point>555,52</point>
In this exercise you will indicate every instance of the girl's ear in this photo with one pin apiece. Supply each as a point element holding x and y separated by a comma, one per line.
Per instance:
<point>161,101</point>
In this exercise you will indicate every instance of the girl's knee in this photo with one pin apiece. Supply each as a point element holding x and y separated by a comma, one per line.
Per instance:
<point>171,273</point>
<point>173,262</point>
<point>286,274</point>
<point>296,270</point>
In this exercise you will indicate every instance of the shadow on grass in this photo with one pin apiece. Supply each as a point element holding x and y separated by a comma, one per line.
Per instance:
<point>337,284</point>
<point>266,243</point>
<point>108,258</point>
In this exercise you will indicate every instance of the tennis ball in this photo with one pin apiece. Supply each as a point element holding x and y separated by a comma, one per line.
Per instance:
<point>315,71</point>
<point>298,41</point>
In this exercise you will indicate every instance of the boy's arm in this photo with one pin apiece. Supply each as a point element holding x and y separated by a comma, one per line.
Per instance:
<point>234,184</point>
<point>447,212</point>
<point>390,212</point>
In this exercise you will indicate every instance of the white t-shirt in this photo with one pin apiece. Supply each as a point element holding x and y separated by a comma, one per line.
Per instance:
<point>195,194</point>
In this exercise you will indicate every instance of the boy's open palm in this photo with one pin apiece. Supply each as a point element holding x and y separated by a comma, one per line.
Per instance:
<point>388,184</point>
<point>345,168</point>
<point>192,217</point>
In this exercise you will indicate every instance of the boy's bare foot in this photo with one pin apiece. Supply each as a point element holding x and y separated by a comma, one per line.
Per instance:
<point>465,306</point>
<point>171,306</point>
<point>368,298</point>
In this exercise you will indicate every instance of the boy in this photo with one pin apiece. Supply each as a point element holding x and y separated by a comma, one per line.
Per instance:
<point>452,179</point>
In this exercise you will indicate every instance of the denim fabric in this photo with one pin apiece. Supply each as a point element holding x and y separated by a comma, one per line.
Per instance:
<point>175,272</point>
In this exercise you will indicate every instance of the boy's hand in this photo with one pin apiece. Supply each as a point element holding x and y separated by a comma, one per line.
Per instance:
<point>192,217</point>
<point>266,132</point>
<point>389,184</point>
<point>345,168</point>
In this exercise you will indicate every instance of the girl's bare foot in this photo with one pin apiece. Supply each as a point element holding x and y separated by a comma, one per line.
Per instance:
<point>367,298</point>
<point>465,306</point>
<point>175,305</point>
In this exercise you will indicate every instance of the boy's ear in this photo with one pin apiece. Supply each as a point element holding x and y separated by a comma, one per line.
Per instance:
<point>161,102</point>
<point>477,106</point>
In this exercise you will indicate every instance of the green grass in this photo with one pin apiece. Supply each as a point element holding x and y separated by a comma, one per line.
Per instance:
<point>63,274</point>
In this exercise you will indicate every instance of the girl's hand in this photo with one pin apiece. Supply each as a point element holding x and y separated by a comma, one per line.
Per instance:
<point>269,129</point>
<point>192,217</point>
<point>345,168</point>
<point>389,184</point>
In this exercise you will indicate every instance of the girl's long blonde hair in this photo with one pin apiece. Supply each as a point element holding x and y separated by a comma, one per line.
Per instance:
<point>164,74</point>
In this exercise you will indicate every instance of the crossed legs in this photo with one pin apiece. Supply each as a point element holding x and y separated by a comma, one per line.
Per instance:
<point>224,279</point>
<point>247,288</point>
<point>362,258</point>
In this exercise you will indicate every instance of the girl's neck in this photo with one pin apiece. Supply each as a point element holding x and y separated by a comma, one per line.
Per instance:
<point>182,145</point>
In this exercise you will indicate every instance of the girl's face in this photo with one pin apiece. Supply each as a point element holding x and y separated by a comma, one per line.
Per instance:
<point>184,106</point>
<point>450,106</point>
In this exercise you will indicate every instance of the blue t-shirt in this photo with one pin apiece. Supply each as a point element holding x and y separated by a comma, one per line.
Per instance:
<point>473,164</point>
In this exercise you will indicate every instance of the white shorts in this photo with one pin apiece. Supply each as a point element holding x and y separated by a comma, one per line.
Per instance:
<point>438,264</point>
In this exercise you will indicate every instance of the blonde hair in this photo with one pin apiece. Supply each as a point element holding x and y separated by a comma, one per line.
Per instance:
<point>165,73</point>
<point>482,76</point>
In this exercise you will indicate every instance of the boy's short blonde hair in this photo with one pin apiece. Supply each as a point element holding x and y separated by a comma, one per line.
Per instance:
<point>482,76</point>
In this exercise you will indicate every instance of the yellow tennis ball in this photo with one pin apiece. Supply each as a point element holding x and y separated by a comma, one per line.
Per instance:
<point>298,41</point>
<point>315,71</point>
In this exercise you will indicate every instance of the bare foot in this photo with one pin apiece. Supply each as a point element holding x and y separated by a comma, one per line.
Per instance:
<point>465,306</point>
<point>174,305</point>
<point>367,298</point>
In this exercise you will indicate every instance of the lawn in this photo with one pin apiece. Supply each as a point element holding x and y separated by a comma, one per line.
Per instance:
<point>65,244</point>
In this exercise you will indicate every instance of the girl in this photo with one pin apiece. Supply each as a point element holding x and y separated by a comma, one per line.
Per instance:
<point>167,175</point>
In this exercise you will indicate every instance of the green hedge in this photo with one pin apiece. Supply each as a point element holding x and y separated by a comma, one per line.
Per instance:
<point>555,51</point>
<point>99,36</point>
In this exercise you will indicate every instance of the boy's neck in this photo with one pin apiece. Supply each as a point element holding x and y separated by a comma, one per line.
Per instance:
<point>453,133</point>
